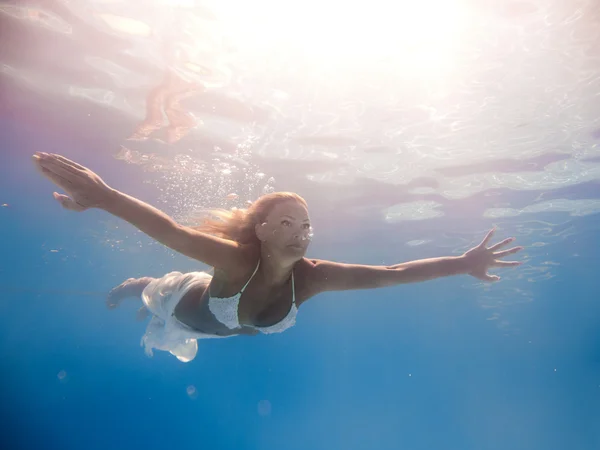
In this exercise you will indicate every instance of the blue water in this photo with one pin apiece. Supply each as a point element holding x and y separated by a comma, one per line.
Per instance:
<point>391,172</point>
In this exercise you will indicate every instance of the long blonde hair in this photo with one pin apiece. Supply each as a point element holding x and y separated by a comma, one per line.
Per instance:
<point>238,224</point>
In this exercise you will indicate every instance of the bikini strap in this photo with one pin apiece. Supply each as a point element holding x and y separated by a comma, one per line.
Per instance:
<point>252,276</point>
<point>293,289</point>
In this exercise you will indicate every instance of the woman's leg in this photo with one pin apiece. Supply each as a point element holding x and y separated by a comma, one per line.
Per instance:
<point>132,287</point>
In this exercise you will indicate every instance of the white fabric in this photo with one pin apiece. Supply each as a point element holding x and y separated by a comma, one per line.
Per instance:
<point>287,322</point>
<point>226,310</point>
<point>165,332</point>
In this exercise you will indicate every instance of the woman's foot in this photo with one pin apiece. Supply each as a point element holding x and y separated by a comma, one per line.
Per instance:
<point>132,287</point>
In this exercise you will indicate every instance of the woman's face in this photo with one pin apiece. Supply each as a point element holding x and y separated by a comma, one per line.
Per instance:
<point>286,229</point>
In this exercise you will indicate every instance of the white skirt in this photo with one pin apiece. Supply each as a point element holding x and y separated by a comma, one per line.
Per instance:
<point>165,332</point>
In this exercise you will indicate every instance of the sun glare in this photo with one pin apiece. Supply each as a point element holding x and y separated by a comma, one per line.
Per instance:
<point>418,34</point>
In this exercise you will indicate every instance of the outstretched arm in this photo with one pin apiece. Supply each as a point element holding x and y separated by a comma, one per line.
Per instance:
<point>332,276</point>
<point>220,253</point>
<point>87,190</point>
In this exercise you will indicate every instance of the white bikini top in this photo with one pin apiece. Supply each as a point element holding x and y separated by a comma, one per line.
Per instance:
<point>226,310</point>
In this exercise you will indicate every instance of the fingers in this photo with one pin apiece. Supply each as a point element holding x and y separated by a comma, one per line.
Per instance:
<point>68,162</point>
<point>501,243</point>
<point>510,251</point>
<point>59,164</point>
<point>67,202</point>
<point>506,263</point>
<point>488,277</point>
<point>54,177</point>
<point>487,238</point>
<point>61,174</point>
<point>60,167</point>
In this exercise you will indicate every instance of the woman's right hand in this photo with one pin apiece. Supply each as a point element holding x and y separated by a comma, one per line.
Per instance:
<point>84,188</point>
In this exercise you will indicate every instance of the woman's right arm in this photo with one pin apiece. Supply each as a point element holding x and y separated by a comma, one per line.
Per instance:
<point>85,190</point>
<point>214,251</point>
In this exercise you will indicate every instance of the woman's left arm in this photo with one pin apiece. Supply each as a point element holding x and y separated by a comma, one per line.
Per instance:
<point>333,276</point>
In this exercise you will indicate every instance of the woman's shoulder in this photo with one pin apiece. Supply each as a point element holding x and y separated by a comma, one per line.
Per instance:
<point>312,266</point>
<point>248,258</point>
<point>305,266</point>
<point>307,274</point>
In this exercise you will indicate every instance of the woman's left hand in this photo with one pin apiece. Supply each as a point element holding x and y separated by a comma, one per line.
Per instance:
<point>481,258</point>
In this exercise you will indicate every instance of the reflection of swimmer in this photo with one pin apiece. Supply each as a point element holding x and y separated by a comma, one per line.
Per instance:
<point>185,48</point>
<point>261,274</point>
<point>167,97</point>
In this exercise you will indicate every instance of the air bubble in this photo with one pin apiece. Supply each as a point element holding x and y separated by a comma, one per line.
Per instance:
<point>264,408</point>
<point>192,392</point>
<point>62,376</point>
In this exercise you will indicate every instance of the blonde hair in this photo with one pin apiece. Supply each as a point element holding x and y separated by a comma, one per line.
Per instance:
<point>238,224</point>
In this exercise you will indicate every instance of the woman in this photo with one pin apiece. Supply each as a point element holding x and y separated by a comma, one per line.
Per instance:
<point>261,275</point>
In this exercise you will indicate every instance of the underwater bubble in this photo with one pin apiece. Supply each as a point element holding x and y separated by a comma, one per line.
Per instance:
<point>62,376</point>
<point>308,234</point>
<point>192,392</point>
<point>264,408</point>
